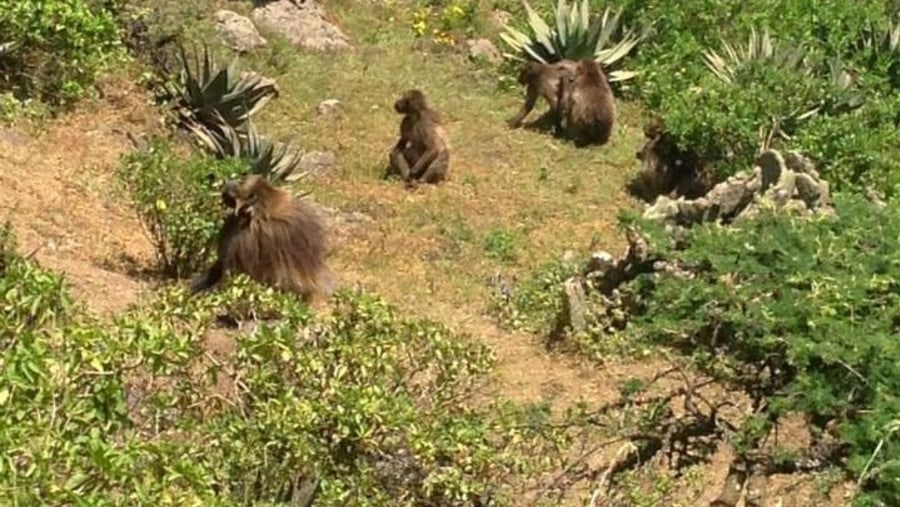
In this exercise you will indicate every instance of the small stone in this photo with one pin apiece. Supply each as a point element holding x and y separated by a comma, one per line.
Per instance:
<point>303,24</point>
<point>238,32</point>
<point>328,107</point>
<point>316,163</point>
<point>483,49</point>
<point>573,304</point>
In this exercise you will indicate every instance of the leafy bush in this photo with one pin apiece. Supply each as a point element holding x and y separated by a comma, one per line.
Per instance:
<point>857,150</point>
<point>177,203</point>
<point>372,408</point>
<point>58,47</point>
<point>534,303</point>
<point>801,316</point>
<point>446,22</point>
<point>850,57</point>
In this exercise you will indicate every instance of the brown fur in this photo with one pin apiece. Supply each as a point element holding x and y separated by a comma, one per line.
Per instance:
<point>542,80</point>
<point>587,105</point>
<point>666,169</point>
<point>273,238</point>
<point>423,143</point>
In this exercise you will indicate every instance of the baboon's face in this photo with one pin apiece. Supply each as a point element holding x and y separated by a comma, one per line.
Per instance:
<point>528,72</point>
<point>411,101</point>
<point>239,195</point>
<point>401,105</point>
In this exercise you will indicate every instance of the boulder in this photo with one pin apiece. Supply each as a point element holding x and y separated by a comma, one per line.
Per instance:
<point>238,32</point>
<point>302,23</point>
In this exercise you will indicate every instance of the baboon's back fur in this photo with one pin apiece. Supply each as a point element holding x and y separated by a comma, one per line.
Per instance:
<point>278,241</point>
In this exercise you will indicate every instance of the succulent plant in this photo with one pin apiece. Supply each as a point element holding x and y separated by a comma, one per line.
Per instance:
<point>763,48</point>
<point>206,92</point>
<point>760,47</point>
<point>274,160</point>
<point>575,37</point>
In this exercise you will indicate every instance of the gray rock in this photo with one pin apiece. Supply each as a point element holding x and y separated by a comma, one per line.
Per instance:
<point>875,197</point>
<point>809,190</point>
<point>238,32</point>
<point>328,107</point>
<point>573,304</point>
<point>796,162</point>
<point>317,163</point>
<point>730,198</point>
<point>302,23</point>
<point>483,49</point>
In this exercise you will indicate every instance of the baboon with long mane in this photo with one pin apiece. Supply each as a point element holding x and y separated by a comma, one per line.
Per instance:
<point>422,153</point>
<point>271,237</point>
<point>542,80</point>
<point>587,105</point>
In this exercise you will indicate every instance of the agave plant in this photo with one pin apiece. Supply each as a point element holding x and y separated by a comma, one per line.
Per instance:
<point>761,47</point>
<point>575,37</point>
<point>882,41</point>
<point>276,161</point>
<point>206,93</point>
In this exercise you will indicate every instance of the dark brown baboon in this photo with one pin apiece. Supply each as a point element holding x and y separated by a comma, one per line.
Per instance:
<point>667,169</point>
<point>542,80</point>
<point>273,238</point>
<point>423,143</point>
<point>587,105</point>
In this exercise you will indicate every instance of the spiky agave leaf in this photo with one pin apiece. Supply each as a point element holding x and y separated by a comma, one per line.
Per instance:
<point>276,161</point>
<point>761,47</point>
<point>207,92</point>
<point>575,37</point>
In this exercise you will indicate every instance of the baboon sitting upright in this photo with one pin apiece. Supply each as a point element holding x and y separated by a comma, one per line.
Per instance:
<point>273,238</point>
<point>587,105</point>
<point>423,143</point>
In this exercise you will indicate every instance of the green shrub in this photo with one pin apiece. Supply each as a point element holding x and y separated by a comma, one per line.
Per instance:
<point>59,47</point>
<point>802,316</point>
<point>177,202</point>
<point>857,150</point>
<point>376,409</point>
<point>502,245</point>
<point>534,303</point>
<point>721,124</point>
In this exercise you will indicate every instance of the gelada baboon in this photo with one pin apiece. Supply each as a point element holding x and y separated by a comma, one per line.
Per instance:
<point>667,169</point>
<point>422,153</point>
<point>542,80</point>
<point>271,237</point>
<point>587,105</point>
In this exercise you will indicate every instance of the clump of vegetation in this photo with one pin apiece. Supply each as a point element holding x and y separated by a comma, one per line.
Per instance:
<point>534,303</point>
<point>575,36</point>
<point>52,50</point>
<point>177,202</point>
<point>215,103</point>
<point>778,312</point>
<point>446,23</point>
<point>360,407</point>
<point>209,96</point>
<point>820,70</point>
<point>799,317</point>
